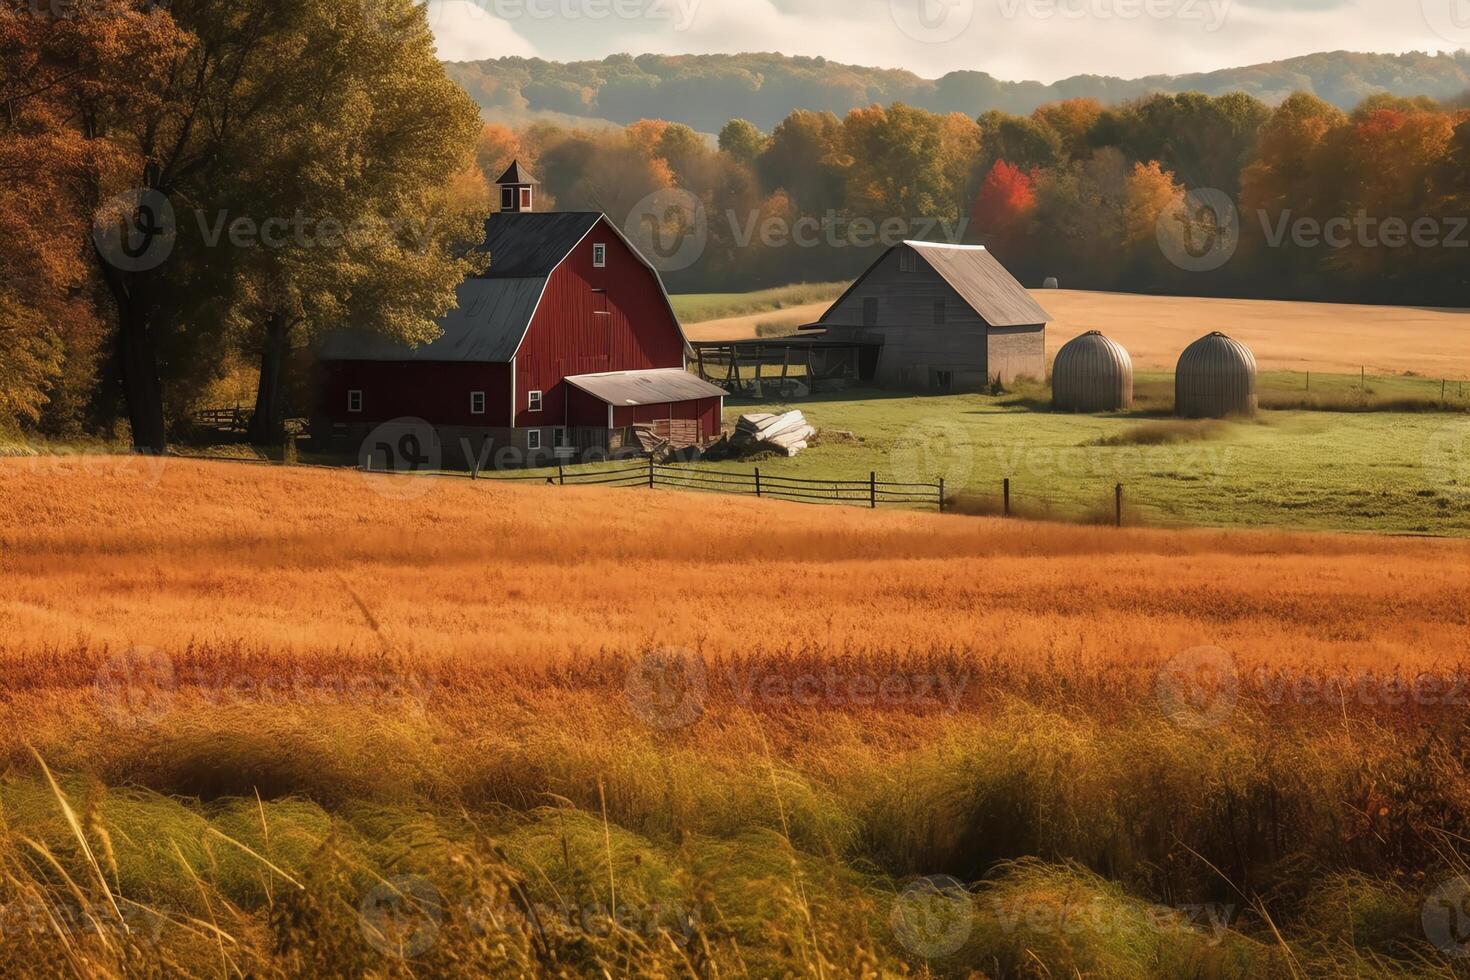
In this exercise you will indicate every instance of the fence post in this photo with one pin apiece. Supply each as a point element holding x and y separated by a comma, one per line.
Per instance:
<point>1006,493</point>
<point>757,481</point>
<point>873,491</point>
<point>1118,503</point>
<point>561,477</point>
<point>941,495</point>
<point>650,471</point>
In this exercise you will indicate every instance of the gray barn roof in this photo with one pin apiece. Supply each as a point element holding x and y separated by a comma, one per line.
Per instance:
<point>646,387</point>
<point>487,325</point>
<point>984,283</point>
<point>533,243</point>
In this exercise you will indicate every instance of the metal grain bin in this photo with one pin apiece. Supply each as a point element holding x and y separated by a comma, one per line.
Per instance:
<point>1051,283</point>
<point>1216,377</point>
<point>1092,374</point>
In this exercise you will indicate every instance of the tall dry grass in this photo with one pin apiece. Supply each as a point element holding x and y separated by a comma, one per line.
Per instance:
<point>305,728</point>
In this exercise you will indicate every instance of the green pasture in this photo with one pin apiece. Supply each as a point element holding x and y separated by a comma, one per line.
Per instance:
<point>1403,472</point>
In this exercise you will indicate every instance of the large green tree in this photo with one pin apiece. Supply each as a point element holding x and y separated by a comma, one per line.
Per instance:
<point>353,183</point>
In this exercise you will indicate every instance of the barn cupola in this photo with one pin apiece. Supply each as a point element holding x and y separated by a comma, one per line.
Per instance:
<point>517,189</point>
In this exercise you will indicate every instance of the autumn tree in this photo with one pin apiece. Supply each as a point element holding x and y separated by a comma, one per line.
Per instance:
<point>377,152</point>
<point>742,141</point>
<point>60,70</point>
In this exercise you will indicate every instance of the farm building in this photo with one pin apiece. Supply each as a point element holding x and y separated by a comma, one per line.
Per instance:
<point>1216,377</point>
<point>567,341</point>
<point>1092,373</point>
<point>945,317</point>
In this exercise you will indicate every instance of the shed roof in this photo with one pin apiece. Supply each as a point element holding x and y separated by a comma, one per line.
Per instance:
<point>983,283</point>
<point>653,387</point>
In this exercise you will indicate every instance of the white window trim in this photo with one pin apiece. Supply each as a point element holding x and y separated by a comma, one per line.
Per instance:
<point>534,401</point>
<point>533,439</point>
<point>477,398</point>
<point>354,396</point>
<point>599,256</point>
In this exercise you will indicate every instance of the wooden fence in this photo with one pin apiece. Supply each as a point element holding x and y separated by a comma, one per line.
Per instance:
<point>871,492</point>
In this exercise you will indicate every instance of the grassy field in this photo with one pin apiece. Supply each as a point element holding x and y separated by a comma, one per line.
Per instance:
<point>303,722</point>
<point>703,307</point>
<point>1397,472</point>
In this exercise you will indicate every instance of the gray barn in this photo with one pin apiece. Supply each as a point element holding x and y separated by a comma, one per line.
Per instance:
<point>947,317</point>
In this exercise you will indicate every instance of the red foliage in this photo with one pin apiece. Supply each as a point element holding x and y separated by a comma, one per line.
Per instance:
<point>1006,198</point>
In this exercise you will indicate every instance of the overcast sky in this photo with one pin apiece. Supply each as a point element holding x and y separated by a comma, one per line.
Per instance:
<point>1012,39</point>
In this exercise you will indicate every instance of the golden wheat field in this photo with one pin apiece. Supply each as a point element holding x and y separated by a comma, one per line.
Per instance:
<point>277,721</point>
<point>1285,336</point>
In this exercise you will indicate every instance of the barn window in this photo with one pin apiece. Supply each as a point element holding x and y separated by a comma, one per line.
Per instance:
<point>908,261</point>
<point>507,199</point>
<point>354,400</point>
<point>525,198</point>
<point>870,312</point>
<point>533,402</point>
<point>533,439</point>
<point>939,311</point>
<point>599,255</point>
<point>477,403</point>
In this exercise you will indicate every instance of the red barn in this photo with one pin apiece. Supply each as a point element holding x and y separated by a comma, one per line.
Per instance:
<point>566,341</point>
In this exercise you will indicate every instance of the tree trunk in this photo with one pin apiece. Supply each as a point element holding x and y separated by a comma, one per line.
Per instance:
<point>268,422</point>
<point>138,360</point>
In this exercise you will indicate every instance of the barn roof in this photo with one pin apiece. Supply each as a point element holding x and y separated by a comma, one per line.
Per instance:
<point>646,387</point>
<point>494,310</point>
<point>524,244</point>
<point>487,325</point>
<point>983,283</point>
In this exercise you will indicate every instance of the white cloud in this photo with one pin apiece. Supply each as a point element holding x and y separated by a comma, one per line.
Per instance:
<point>1011,39</point>
<point>467,31</point>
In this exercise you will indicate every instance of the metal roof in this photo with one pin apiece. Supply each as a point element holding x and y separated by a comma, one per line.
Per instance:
<point>984,283</point>
<point>487,325</point>
<point>646,387</point>
<point>533,243</point>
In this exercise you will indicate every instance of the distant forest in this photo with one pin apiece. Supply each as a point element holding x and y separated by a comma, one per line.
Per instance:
<point>1368,205</point>
<point>705,91</point>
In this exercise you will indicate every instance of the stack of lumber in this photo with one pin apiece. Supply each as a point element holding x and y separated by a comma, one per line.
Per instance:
<point>790,433</point>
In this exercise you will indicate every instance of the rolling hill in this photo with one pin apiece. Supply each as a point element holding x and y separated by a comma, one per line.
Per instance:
<point>706,91</point>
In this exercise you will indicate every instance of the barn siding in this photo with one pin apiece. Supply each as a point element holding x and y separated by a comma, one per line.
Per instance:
<point>1016,352</point>
<point>569,336</point>
<point>434,391</point>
